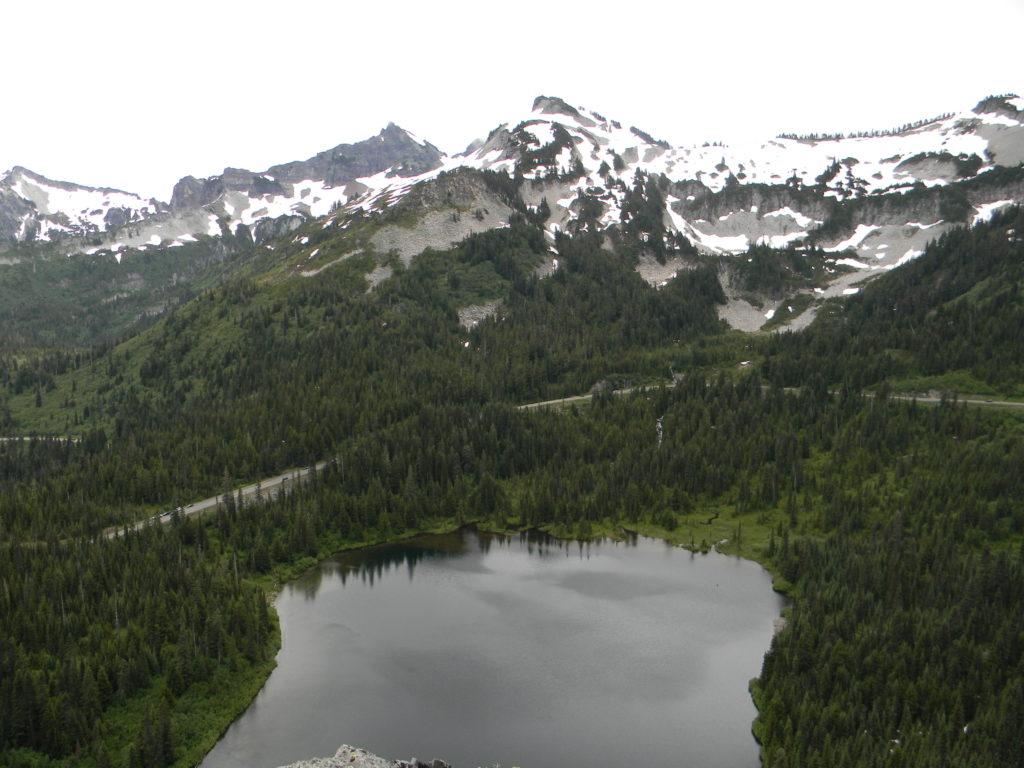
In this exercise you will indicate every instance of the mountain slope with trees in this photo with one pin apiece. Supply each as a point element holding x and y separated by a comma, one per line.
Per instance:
<point>950,317</point>
<point>897,528</point>
<point>867,202</point>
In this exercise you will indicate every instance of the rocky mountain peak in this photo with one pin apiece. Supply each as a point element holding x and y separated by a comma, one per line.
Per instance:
<point>394,150</point>
<point>393,147</point>
<point>874,197</point>
<point>1009,104</point>
<point>21,173</point>
<point>33,206</point>
<point>552,105</point>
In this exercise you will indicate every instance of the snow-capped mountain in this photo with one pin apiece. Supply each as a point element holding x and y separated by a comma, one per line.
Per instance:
<point>309,187</point>
<point>724,199</point>
<point>874,200</point>
<point>33,207</point>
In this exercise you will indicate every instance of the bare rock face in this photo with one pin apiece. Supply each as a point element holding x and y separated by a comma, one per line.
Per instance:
<point>552,105</point>
<point>271,229</point>
<point>449,209</point>
<point>14,211</point>
<point>353,757</point>
<point>391,148</point>
<point>33,206</point>
<point>998,105</point>
<point>191,192</point>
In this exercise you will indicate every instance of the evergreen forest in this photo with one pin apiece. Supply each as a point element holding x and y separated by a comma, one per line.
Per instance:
<point>895,526</point>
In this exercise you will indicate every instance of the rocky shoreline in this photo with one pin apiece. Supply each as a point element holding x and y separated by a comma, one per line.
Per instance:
<point>353,757</point>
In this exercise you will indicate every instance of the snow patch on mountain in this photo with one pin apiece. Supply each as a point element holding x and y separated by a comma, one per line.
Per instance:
<point>985,211</point>
<point>854,241</point>
<point>167,229</point>
<point>801,221</point>
<point>908,255</point>
<point>51,199</point>
<point>574,152</point>
<point>587,172</point>
<point>55,209</point>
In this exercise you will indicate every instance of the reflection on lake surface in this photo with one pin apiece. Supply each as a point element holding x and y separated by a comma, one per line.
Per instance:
<point>524,651</point>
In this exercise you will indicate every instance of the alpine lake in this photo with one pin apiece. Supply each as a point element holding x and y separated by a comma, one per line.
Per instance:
<point>523,650</point>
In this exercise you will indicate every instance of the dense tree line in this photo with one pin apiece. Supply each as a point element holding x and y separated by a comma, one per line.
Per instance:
<point>88,626</point>
<point>890,520</point>
<point>904,650</point>
<point>247,379</point>
<point>876,512</point>
<point>50,300</point>
<point>958,307</point>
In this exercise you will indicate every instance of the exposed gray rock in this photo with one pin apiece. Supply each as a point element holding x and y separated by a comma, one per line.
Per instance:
<point>498,139</point>
<point>448,210</point>
<point>552,105</point>
<point>997,105</point>
<point>353,757</point>
<point>269,229</point>
<point>377,275</point>
<point>737,311</point>
<point>13,212</point>
<point>710,206</point>
<point>885,215</point>
<point>929,166</point>
<point>31,207</point>
<point>473,314</point>
<point>463,189</point>
<point>190,192</point>
<point>1004,144</point>
<point>118,217</point>
<point>392,147</point>
<point>657,273</point>
<point>440,230</point>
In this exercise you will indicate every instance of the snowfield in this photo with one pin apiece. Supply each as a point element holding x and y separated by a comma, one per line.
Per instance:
<point>565,155</point>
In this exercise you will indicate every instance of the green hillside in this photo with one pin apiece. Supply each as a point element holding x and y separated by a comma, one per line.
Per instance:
<point>897,528</point>
<point>950,319</point>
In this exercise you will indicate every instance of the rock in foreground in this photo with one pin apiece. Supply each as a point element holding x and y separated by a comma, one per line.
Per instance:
<point>353,757</point>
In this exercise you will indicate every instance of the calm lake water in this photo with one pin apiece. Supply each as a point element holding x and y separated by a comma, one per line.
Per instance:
<point>523,651</point>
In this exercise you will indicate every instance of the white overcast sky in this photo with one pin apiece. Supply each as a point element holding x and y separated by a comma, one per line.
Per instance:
<point>134,94</point>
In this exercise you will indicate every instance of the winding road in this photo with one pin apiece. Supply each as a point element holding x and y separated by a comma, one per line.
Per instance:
<point>278,483</point>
